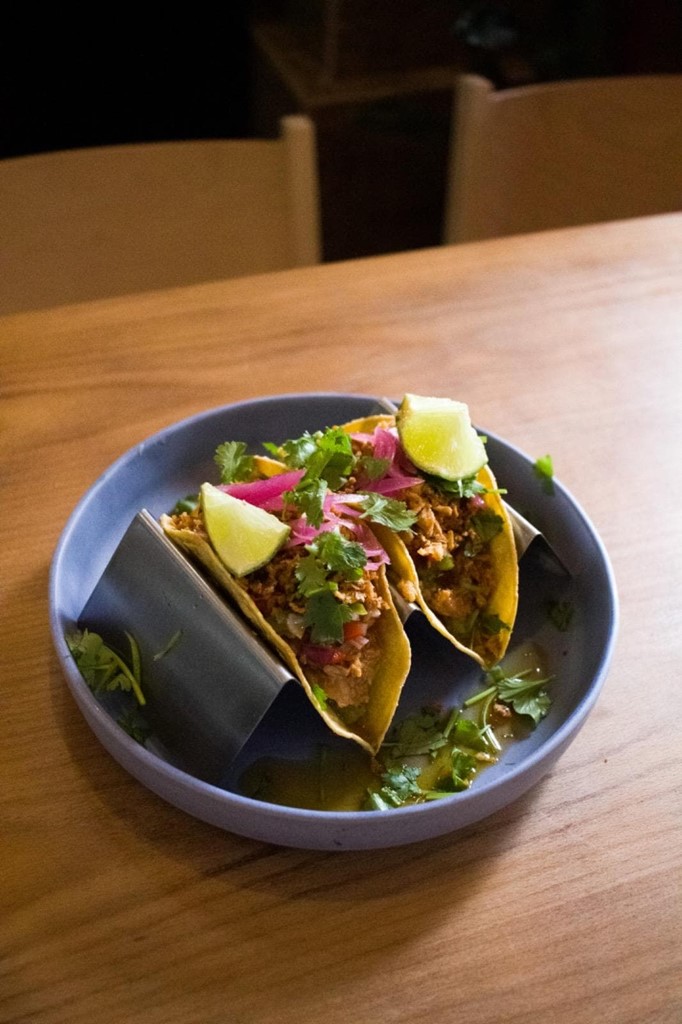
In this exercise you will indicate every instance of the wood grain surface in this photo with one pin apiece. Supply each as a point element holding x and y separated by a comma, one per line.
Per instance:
<point>117,908</point>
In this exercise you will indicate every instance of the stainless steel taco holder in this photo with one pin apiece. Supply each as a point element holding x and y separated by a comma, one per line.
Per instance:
<point>207,679</point>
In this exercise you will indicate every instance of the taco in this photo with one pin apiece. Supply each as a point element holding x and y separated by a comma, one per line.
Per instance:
<point>321,601</point>
<point>458,561</point>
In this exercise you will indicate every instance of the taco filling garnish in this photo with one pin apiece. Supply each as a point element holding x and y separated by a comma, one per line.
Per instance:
<point>304,565</point>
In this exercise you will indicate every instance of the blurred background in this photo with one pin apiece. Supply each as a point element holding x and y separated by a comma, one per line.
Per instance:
<point>376,76</point>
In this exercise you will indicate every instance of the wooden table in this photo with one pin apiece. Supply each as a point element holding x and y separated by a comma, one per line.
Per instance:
<point>118,908</point>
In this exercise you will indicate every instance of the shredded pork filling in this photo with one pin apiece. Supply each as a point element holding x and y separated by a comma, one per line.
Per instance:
<point>346,669</point>
<point>455,569</point>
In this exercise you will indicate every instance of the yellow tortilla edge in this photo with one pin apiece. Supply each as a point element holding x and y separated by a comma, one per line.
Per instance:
<point>392,668</point>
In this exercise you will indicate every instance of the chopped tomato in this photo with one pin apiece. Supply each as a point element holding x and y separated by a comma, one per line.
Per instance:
<point>352,630</point>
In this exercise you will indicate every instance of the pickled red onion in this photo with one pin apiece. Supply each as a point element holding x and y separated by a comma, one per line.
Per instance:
<point>385,444</point>
<point>400,473</point>
<point>267,494</point>
<point>392,484</point>
<point>303,533</point>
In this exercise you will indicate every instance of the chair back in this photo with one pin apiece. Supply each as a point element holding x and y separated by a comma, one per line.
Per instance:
<point>97,222</point>
<point>562,153</point>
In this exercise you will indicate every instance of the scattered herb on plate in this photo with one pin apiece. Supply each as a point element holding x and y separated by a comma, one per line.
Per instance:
<point>544,470</point>
<point>560,614</point>
<point>102,668</point>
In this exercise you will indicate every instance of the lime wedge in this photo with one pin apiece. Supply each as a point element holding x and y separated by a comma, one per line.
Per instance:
<point>243,536</point>
<point>438,437</point>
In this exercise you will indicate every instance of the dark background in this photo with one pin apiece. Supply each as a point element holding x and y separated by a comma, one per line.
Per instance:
<point>82,79</point>
<point>69,80</point>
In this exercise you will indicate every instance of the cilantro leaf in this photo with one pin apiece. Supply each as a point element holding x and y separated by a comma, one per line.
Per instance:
<point>420,733</point>
<point>526,696</point>
<point>463,769</point>
<point>325,455</point>
<point>399,785</point>
<point>339,554</point>
<point>233,462</point>
<point>101,667</point>
<point>327,458</point>
<point>544,470</point>
<point>333,460</point>
<point>326,615</point>
<point>187,504</point>
<point>309,497</point>
<point>560,614</point>
<point>536,705</point>
<point>296,452</point>
<point>469,734</point>
<point>484,526</point>
<point>466,487</point>
<point>387,512</point>
<point>312,576</point>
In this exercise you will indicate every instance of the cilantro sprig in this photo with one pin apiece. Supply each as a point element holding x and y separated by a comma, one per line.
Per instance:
<point>325,455</point>
<point>309,497</point>
<point>331,557</point>
<point>102,668</point>
<point>327,458</point>
<point>420,733</point>
<point>399,786</point>
<point>526,696</point>
<point>386,511</point>
<point>339,554</point>
<point>457,743</point>
<point>234,462</point>
<point>326,617</point>
<point>465,487</point>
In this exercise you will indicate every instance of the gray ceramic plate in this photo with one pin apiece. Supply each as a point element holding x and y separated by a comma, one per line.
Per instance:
<point>172,463</point>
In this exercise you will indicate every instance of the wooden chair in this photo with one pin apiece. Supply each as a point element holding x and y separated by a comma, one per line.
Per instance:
<point>564,153</point>
<point>98,222</point>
